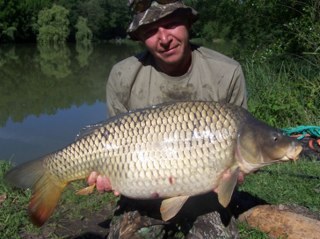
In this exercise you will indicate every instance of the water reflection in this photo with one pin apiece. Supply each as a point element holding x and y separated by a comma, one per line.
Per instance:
<point>39,135</point>
<point>48,94</point>
<point>83,53</point>
<point>55,60</point>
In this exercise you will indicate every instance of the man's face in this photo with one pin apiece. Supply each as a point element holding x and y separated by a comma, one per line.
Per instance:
<point>167,40</point>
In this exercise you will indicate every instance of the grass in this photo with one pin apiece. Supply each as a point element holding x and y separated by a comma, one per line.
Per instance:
<point>14,220</point>
<point>250,233</point>
<point>13,205</point>
<point>287,183</point>
<point>283,95</point>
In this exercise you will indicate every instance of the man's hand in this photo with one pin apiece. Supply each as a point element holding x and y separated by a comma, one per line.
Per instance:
<point>241,178</point>
<point>102,183</point>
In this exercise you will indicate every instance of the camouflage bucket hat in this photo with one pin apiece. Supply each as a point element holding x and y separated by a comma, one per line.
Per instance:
<point>156,11</point>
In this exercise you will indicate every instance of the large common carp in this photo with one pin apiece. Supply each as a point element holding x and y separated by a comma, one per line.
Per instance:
<point>171,151</point>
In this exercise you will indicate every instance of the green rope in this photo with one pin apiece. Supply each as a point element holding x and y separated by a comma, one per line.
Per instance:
<point>313,131</point>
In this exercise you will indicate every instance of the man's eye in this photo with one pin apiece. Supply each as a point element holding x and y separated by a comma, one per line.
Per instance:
<point>171,25</point>
<point>150,32</point>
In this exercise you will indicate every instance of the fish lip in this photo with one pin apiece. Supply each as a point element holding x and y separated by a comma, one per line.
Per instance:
<point>294,152</point>
<point>246,167</point>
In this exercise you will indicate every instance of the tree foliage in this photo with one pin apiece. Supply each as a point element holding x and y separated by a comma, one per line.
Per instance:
<point>53,25</point>
<point>306,30</point>
<point>84,33</point>
<point>267,28</point>
<point>270,27</point>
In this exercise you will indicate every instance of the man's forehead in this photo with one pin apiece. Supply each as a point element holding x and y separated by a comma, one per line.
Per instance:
<point>165,21</point>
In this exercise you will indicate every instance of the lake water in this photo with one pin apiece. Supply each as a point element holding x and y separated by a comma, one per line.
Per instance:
<point>47,95</point>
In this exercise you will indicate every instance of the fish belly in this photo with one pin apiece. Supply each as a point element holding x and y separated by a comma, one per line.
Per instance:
<point>171,171</point>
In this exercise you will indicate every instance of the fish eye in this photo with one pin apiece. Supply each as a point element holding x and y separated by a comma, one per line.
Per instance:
<point>275,138</point>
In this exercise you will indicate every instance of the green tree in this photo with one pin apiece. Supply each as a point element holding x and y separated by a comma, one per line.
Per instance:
<point>9,19</point>
<point>17,18</point>
<point>306,29</point>
<point>117,19</point>
<point>53,25</point>
<point>93,11</point>
<point>106,19</point>
<point>8,32</point>
<point>84,33</point>
<point>267,28</point>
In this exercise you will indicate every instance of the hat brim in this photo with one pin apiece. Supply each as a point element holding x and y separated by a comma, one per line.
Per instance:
<point>159,11</point>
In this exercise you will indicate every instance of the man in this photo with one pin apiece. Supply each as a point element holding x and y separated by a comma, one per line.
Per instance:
<point>172,69</point>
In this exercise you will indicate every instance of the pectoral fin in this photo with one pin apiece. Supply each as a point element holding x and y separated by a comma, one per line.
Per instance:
<point>86,191</point>
<point>226,186</point>
<point>171,206</point>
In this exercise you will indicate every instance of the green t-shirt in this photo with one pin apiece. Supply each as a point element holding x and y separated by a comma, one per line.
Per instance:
<point>135,83</point>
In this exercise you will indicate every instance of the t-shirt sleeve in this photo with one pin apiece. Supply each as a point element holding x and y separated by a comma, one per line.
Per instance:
<point>121,80</point>
<point>224,75</point>
<point>115,95</point>
<point>237,89</point>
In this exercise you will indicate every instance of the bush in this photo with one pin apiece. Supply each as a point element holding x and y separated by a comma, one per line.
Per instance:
<point>84,33</point>
<point>307,31</point>
<point>283,94</point>
<point>53,25</point>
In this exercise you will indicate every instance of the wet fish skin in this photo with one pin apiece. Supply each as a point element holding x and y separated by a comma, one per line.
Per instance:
<point>171,151</point>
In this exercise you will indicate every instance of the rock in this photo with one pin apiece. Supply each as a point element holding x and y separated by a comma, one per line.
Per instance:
<point>209,226</point>
<point>131,225</point>
<point>283,221</point>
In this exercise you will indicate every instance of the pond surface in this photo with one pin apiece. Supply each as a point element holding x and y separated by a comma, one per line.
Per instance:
<point>47,95</point>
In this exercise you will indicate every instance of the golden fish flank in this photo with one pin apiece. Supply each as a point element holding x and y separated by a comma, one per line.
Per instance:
<point>172,151</point>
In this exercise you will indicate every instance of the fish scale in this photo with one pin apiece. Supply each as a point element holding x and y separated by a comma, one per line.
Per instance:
<point>169,151</point>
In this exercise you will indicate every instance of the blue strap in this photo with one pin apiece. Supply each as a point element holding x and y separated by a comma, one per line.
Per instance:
<point>313,131</point>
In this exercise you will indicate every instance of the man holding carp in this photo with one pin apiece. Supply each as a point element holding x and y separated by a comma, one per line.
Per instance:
<point>177,148</point>
<point>172,69</point>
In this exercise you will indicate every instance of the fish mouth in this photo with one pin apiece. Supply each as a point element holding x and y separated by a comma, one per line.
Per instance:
<point>293,153</point>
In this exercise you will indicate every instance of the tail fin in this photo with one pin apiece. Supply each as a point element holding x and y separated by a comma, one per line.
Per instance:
<point>25,175</point>
<point>45,197</point>
<point>46,189</point>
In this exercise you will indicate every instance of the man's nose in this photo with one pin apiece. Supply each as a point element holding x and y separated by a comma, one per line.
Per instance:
<point>164,36</point>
